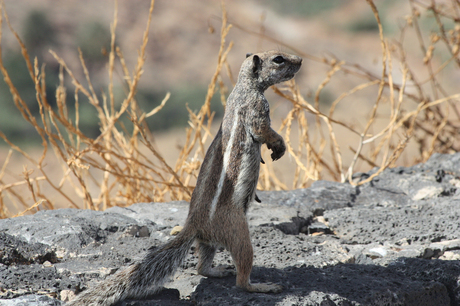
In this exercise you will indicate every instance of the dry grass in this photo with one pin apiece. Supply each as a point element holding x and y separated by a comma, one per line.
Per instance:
<point>120,167</point>
<point>420,111</point>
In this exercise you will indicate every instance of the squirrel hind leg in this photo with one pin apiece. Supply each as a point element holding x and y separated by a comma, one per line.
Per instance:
<point>242,254</point>
<point>206,255</point>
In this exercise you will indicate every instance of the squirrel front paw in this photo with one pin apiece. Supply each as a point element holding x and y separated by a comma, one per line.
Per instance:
<point>278,148</point>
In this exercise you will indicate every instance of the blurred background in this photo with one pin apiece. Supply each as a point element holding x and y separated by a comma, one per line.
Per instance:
<point>181,57</point>
<point>183,46</point>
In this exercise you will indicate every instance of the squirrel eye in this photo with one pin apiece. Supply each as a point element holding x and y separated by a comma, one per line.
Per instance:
<point>279,59</point>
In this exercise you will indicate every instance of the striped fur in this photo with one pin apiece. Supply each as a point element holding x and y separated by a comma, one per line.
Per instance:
<point>225,187</point>
<point>223,174</point>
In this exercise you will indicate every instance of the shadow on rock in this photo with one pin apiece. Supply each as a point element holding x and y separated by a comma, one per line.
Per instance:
<point>408,281</point>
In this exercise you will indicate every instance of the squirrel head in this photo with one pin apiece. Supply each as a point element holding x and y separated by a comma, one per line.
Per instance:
<point>268,68</point>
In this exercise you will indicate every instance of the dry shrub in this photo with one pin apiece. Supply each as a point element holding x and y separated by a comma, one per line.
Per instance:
<point>128,174</point>
<point>421,112</point>
<point>124,167</point>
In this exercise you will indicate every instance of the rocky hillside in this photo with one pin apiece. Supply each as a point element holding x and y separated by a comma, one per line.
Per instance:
<point>393,241</point>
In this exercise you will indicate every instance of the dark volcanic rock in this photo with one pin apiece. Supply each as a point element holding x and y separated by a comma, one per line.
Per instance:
<point>14,250</point>
<point>392,241</point>
<point>423,223</point>
<point>315,200</point>
<point>347,284</point>
<point>68,229</point>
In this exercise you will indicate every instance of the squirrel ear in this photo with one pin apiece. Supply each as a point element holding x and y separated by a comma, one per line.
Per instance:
<point>256,63</point>
<point>248,55</point>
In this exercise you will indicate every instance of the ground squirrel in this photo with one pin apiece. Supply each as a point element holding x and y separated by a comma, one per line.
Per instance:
<point>226,185</point>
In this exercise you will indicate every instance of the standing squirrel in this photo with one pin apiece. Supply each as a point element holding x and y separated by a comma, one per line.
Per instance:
<point>225,187</point>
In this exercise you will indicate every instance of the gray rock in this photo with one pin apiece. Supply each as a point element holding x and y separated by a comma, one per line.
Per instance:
<point>165,214</point>
<point>14,250</point>
<point>321,196</point>
<point>31,300</point>
<point>383,243</point>
<point>425,222</point>
<point>69,229</point>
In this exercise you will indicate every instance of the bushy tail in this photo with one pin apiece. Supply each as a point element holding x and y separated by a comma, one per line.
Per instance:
<point>140,279</point>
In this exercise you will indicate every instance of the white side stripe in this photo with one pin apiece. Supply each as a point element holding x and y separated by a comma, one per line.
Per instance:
<point>228,150</point>
<point>246,174</point>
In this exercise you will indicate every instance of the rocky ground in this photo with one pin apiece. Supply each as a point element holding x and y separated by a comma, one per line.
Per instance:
<point>393,241</point>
